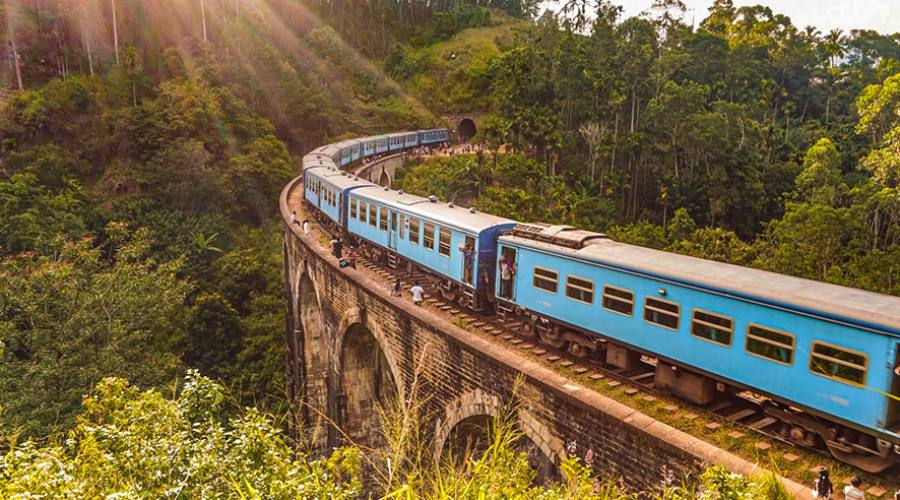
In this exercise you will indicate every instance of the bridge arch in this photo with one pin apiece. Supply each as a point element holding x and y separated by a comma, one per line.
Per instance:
<point>470,414</point>
<point>384,179</point>
<point>466,129</point>
<point>367,377</point>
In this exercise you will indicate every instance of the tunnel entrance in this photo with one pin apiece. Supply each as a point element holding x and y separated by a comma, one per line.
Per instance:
<point>465,129</point>
<point>366,384</point>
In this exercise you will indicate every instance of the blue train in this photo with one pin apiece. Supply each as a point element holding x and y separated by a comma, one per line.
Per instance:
<point>821,356</point>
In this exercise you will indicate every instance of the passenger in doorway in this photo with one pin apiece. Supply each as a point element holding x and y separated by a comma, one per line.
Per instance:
<point>418,293</point>
<point>469,260</point>
<point>823,487</point>
<point>853,491</point>
<point>507,270</point>
<point>305,226</point>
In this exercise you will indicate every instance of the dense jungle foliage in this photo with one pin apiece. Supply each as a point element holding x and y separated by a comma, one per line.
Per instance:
<point>143,146</point>
<point>746,139</point>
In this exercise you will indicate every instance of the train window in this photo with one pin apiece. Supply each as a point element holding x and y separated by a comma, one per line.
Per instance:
<point>580,289</point>
<point>662,313</point>
<point>414,230</point>
<point>444,242</point>
<point>545,279</point>
<point>383,222</point>
<point>402,225</point>
<point>618,300</point>
<point>373,214</point>
<point>838,363</point>
<point>713,327</point>
<point>362,211</point>
<point>770,344</point>
<point>429,236</point>
<point>353,214</point>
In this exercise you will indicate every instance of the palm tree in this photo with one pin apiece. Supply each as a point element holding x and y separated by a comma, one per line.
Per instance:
<point>832,45</point>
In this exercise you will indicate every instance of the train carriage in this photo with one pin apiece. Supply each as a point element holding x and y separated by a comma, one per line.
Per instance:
<point>350,151</point>
<point>435,236</point>
<point>433,136</point>
<point>827,349</point>
<point>370,145</point>
<point>327,188</point>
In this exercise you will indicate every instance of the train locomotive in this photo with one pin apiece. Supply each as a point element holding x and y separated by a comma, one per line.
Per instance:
<point>820,357</point>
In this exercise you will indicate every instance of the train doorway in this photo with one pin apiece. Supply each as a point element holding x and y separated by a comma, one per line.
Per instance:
<point>893,413</point>
<point>507,267</point>
<point>469,260</point>
<point>393,234</point>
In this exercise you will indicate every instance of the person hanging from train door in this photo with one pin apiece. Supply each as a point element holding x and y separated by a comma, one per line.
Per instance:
<point>507,266</point>
<point>468,260</point>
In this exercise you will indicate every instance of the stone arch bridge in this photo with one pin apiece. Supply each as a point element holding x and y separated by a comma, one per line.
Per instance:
<point>352,346</point>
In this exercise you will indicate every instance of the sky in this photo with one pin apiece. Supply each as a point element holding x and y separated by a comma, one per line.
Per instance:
<point>880,15</point>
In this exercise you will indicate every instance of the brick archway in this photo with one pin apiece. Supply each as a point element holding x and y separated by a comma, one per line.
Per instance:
<point>479,404</point>
<point>365,377</point>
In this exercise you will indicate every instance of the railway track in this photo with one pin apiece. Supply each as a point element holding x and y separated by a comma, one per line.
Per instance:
<point>744,411</point>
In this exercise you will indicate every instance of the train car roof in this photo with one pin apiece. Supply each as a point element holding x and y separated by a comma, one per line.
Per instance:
<point>338,178</point>
<point>869,310</point>
<point>346,142</point>
<point>440,212</point>
<point>314,160</point>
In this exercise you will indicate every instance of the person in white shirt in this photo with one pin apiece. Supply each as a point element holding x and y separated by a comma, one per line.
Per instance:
<point>852,491</point>
<point>305,226</point>
<point>418,293</point>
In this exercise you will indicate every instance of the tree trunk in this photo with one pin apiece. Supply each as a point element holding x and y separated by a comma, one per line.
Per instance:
<point>87,46</point>
<point>15,51</point>
<point>203,19</point>
<point>115,31</point>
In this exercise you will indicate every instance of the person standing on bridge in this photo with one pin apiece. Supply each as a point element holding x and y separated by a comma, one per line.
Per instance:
<point>294,217</point>
<point>337,249</point>
<point>853,491</point>
<point>823,487</point>
<point>351,257</point>
<point>418,293</point>
<point>305,226</point>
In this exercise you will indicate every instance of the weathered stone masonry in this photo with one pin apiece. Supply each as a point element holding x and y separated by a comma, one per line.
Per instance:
<point>351,344</point>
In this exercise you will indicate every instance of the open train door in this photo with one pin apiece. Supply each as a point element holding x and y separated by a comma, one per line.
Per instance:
<point>393,235</point>
<point>507,271</point>
<point>468,261</point>
<point>893,412</point>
